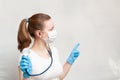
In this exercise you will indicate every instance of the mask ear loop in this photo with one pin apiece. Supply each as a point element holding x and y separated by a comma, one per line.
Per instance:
<point>50,53</point>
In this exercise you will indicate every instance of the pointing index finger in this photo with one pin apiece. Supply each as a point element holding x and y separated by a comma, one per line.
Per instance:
<point>76,46</point>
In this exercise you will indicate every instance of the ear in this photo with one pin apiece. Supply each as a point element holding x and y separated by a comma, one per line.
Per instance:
<point>38,33</point>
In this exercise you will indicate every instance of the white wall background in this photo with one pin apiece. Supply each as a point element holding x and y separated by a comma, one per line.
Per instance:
<point>93,23</point>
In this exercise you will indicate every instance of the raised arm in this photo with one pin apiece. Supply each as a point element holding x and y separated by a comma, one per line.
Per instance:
<point>73,56</point>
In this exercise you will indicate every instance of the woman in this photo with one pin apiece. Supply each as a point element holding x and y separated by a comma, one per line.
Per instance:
<point>40,57</point>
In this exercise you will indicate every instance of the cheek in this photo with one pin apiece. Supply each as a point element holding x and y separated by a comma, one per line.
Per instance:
<point>45,35</point>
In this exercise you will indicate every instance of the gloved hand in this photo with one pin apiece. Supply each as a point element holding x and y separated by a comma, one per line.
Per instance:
<point>26,65</point>
<point>74,54</point>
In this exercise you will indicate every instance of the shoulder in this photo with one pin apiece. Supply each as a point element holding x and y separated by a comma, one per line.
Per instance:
<point>54,49</point>
<point>25,51</point>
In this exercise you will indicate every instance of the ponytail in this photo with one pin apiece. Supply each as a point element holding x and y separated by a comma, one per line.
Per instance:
<point>23,37</point>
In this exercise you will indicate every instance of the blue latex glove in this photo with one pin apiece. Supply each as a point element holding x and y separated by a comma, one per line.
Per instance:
<point>74,54</point>
<point>25,64</point>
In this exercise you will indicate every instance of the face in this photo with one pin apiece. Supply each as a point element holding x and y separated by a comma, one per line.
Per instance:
<point>48,26</point>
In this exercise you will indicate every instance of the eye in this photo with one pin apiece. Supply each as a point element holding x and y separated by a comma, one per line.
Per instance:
<point>51,28</point>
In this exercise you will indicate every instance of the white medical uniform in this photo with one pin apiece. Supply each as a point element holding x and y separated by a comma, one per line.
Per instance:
<point>39,64</point>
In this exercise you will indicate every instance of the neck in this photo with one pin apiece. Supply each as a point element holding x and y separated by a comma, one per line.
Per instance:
<point>39,45</point>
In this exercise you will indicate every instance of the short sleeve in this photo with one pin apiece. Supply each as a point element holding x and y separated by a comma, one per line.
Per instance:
<point>19,59</point>
<point>25,51</point>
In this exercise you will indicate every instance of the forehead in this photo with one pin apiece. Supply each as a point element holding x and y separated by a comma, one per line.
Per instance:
<point>48,24</point>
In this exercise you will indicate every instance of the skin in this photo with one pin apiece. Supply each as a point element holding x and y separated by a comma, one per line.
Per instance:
<point>40,48</point>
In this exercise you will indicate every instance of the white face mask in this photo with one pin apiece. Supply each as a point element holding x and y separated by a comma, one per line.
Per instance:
<point>51,36</point>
